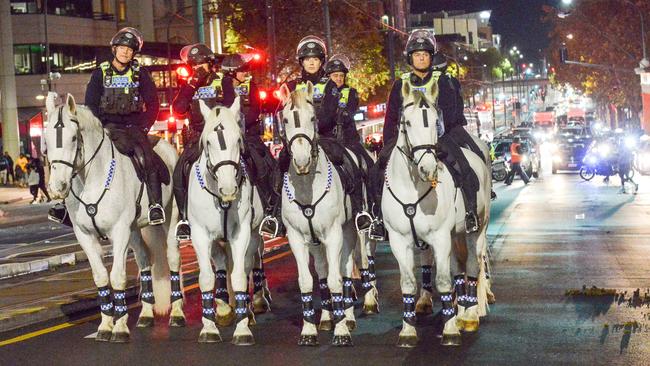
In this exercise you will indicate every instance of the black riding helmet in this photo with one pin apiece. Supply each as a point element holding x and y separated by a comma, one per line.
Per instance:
<point>337,63</point>
<point>311,46</point>
<point>420,40</point>
<point>234,63</point>
<point>197,54</point>
<point>439,62</point>
<point>129,37</point>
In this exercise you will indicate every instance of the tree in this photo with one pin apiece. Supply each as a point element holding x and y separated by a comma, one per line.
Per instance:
<point>353,34</point>
<point>604,32</point>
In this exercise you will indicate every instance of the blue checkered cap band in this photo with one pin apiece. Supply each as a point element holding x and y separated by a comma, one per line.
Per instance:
<point>177,293</point>
<point>309,312</point>
<point>338,312</point>
<point>175,278</point>
<point>120,308</point>
<point>337,298</point>
<point>208,311</point>
<point>240,310</point>
<point>147,295</point>
<point>106,307</point>
<point>104,292</point>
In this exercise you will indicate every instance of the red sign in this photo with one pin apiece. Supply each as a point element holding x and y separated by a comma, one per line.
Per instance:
<point>36,125</point>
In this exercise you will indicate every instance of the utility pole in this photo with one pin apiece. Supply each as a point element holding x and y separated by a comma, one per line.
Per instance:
<point>48,66</point>
<point>270,40</point>
<point>198,21</point>
<point>328,30</point>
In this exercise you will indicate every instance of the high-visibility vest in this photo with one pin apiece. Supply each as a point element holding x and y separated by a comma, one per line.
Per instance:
<point>515,157</point>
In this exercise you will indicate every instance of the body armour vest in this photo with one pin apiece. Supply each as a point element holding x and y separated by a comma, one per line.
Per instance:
<point>121,93</point>
<point>426,89</point>
<point>211,94</point>
<point>319,90</point>
<point>345,95</point>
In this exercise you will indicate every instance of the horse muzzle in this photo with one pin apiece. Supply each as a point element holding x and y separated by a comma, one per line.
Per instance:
<point>302,169</point>
<point>228,195</point>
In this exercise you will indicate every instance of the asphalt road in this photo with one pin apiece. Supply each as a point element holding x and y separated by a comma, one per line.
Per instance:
<point>554,235</point>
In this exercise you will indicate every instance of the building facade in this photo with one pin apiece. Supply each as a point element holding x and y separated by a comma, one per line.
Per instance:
<point>472,31</point>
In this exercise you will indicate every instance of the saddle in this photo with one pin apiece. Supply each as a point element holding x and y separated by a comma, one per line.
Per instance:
<point>343,163</point>
<point>158,164</point>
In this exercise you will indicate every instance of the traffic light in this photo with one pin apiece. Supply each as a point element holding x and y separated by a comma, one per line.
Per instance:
<point>184,72</point>
<point>171,124</point>
<point>263,95</point>
<point>257,57</point>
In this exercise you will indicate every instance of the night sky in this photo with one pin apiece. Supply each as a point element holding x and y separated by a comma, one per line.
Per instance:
<point>518,21</point>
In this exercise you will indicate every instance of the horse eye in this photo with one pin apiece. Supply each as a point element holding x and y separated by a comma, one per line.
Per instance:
<point>285,121</point>
<point>74,138</point>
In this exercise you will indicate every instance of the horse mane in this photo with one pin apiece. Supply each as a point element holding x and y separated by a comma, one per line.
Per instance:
<point>87,120</point>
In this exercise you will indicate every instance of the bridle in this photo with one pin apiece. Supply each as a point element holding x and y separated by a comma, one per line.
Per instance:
<point>313,142</point>
<point>409,150</point>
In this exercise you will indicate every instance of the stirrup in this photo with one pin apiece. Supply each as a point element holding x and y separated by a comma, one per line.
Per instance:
<point>372,231</point>
<point>273,221</point>
<point>474,217</point>
<point>180,237</point>
<point>54,214</point>
<point>158,221</point>
<point>360,216</point>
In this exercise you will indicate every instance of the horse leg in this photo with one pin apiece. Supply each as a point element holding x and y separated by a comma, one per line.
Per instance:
<point>146,317</point>
<point>371,298</point>
<point>333,243</point>
<point>485,295</point>
<point>177,316</point>
<point>350,237</point>
<point>370,303</point>
<point>320,264</point>
<point>261,293</point>
<point>403,252</point>
<point>239,244</point>
<point>93,251</point>
<point>120,237</point>
<point>424,305</point>
<point>442,255</point>
<point>300,250</point>
<point>203,246</point>
<point>225,313</point>
<point>468,307</point>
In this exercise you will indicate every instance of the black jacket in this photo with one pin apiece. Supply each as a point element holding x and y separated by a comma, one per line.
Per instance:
<point>148,93</point>
<point>183,101</point>
<point>326,113</point>
<point>450,102</point>
<point>251,110</point>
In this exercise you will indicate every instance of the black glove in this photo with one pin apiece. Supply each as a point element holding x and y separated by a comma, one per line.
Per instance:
<point>199,78</point>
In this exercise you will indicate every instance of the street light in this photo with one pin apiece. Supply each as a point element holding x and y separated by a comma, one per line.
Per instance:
<point>569,36</point>
<point>567,2</point>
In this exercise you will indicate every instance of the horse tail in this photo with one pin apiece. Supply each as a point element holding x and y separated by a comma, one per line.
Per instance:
<point>156,242</point>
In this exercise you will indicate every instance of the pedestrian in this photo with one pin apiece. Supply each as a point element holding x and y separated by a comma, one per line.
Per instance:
<point>38,165</point>
<point>10,168</point>
<point>32,181</point>
<point>515,163</point>
<point>21,170</point>
<point>3,170</point>
<point>625,162</point>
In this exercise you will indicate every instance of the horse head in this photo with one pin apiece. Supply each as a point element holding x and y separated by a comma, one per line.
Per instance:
<point>63,143</point>
<point>298,122</point>
<point>222,143</point>
<point>421,125</point>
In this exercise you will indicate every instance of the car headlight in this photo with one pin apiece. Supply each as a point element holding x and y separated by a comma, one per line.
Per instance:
<point>630,142</point>
<point>557,159</point>
<point>592,160</point>
<point>552,146</point>
<point>604,150</point>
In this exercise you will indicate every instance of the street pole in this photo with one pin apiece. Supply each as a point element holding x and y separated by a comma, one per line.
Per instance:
<point>48,66</point>
<point>494,118</point>
<point>328,30</point>
<point>198,21</point>
<point>503,90</point>
<point>270,39</point>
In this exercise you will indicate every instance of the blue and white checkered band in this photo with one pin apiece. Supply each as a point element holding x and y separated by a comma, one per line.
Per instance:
<point>459,281</point>
<point>347,283</point>
<point>221,290</point>
<point>207,295</point>
<point>221,274</point>
<point>106,307</point>
<point>240,310</point>
<point>242,90</point>
<point>471,299</point>
<point>408,300</point>
<point>322,285</point>
<point>177,293</point>
<point>145,278</point>
<point>147,295</point>
<point>371,260</point>
<point>309,312</point>
<point>104,292</point>
<point>121,81</point>
<point>119,295</point>
<point>409,314</point>
<point>208,311</point>
<point>205,92</point>
<point>121,308</point>
<point>471,283</point>
<point>445,297</point>
<point>175,277</point>
<point>240,297</point>
<point>338,312</point>
<point>307,298</point>
<point>337,298</point>
<point>448,312</point>
<point>325,302</point>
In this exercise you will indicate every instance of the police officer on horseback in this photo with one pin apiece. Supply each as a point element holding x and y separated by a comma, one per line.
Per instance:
<point>429,67</point>
<point>123,96</point>
<point>204,84</point>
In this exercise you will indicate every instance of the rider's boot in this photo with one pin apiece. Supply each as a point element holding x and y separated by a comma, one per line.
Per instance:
<point>471,218</point>
<point>156,213</point>
<point>183,230</point>
<point>362,220</point>
<point>59,213</point>
<point>377,231</point>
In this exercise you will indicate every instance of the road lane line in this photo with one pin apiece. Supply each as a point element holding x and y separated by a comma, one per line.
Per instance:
<point>65,325</point>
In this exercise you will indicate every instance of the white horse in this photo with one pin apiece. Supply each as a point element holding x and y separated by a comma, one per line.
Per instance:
<point>319,222</point>
<point>418,203</point>
<point>101,191</point>
<point>223,207</point>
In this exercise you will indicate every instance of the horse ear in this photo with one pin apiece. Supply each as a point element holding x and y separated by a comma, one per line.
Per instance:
<point>50,104</point>
<point>205,110</point>
<point>236,106</point>
<point>406,90</point>
<point>310,89</point>
<point>72,105</point>
<point>285,93</point>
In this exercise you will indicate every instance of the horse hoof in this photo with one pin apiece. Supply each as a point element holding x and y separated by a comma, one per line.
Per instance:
<point>326,325</point>
<point>352,325</point>
<point>267,295</point>
<point>469,326</point>
<point>243,340</point>
<point>103,335</point>
<point>121,337</point>
<point>450,340</point>
<point>407,341</point>
<point>145,322</point>
<point>226,320</point>
<point>251,319</point>
<point>371,309</point>
<point>261,306</point>
<point>342,341</point>
<point>423,309</point>
<point>176,321</point>
<point>308,340</point>
<point>207,337</point>
<point>491,299</point>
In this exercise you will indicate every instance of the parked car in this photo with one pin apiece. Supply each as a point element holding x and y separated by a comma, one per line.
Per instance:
<point>531,162</point>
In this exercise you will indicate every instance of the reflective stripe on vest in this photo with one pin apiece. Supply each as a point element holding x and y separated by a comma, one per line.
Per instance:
<point>426,88</point>
<point>345,95</point>
<point>319,89</point>
<point>211,94</point>
<point>244,91</point>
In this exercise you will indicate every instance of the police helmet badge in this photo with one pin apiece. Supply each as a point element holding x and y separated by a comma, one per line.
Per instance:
<point>128,35</point>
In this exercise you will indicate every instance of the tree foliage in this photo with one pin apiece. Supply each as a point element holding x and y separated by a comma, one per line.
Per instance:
<point>353,34</point>
<point>605,32</point>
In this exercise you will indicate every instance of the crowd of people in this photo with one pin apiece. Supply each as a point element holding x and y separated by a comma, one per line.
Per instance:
<point>24,172</point>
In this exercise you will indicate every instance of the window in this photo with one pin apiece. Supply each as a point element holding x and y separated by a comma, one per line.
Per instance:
<point>471,38</point>
<point>30,58</point>
<point>24,7</point>
<point>121,10</point>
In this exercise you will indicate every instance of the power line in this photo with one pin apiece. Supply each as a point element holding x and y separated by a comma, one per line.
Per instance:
<point>401,32</point>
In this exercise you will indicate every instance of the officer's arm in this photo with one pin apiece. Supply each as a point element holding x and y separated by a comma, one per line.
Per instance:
<point>150,96</point>
<point>253,113</point>
<point>228,91</point>
<point>94,91</point>
<point>460,105</point>
<point>391,120</point>
<point>183,100</point>
<point>329,106</point>
<point>447,103</point>
<point>353,102</point>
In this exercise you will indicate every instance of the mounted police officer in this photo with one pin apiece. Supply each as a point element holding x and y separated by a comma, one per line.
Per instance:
<point>204,84</point>
<point>421,55</point>
<point>258,158</point>
<point>123,97</point>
